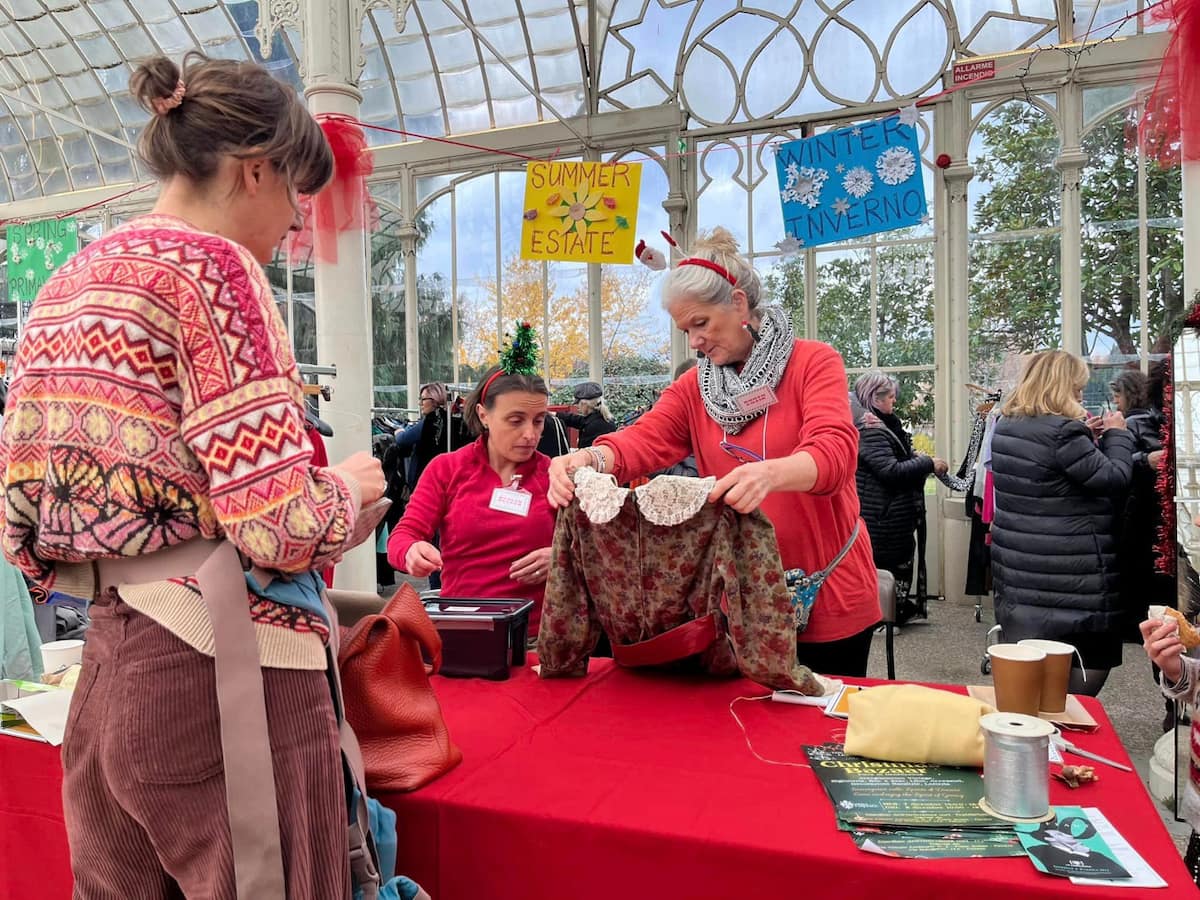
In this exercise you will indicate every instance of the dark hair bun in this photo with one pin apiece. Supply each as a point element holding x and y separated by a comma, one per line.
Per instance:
<point>230,108</point>
<point>155,79</point>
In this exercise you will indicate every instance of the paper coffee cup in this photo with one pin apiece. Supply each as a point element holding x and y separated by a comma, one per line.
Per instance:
<point>1056,673</point>
<point>1017,676</point>
<point>58,655</point>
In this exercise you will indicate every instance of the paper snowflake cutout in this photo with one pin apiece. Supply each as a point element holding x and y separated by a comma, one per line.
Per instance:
<point>926,219</point>
<point>858,182</point>
<point>789,246</point>
<point>895,165</point>
<point>910,115</point>
<point>841,206</point>
<point>856,131</point>
<point>804,185</point>
<point>839,168</point>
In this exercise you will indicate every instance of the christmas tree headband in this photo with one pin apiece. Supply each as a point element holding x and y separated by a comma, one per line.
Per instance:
<point>520,357</point>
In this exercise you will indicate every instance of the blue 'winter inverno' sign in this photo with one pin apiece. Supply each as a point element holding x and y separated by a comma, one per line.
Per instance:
<point>852,181</point>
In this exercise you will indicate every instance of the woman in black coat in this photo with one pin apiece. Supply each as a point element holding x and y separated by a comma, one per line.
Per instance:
<point>1141,584</point>
<point>891,481</point>
<point>1059,493</point>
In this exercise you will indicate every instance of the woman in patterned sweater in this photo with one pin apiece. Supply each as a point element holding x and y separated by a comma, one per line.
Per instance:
<point>155,400</point>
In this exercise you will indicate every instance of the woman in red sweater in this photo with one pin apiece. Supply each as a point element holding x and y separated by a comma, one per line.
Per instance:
<point>487,501</point>
<point>767,415</point>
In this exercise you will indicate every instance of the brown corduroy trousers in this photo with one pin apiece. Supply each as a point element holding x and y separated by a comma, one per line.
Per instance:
<point>144,785</point>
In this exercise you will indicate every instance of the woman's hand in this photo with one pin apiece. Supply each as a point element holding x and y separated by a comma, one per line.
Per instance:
<point>745,488</point>
<point>368,472</point>
<point>422,559</point>
<point>562,487</point>
<point>1154,457</point>
<point>1111,420</point>
<point>940,466</point>
<point>531,568</point>
<point>1095,424</point>
<point>1161,642</point>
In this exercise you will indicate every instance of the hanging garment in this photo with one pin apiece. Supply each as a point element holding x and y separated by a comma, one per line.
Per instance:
<point>20,643</point>
<point>965,477</point>
<point>667,575</point>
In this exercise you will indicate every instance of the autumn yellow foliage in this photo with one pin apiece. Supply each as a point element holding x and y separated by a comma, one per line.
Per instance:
<point>529,287</point>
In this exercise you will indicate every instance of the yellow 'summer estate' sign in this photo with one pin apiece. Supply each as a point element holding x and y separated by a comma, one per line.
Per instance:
<point>581,211</point>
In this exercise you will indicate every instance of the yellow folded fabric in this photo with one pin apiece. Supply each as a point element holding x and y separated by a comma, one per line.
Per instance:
<point>910,723</point>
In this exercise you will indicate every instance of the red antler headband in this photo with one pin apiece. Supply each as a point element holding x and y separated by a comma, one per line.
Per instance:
<point>711,266</point>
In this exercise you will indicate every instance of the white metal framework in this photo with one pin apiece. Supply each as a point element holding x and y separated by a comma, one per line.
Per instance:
<point>697,90</point>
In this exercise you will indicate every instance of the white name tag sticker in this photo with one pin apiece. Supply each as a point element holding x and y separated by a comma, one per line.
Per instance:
<point>756,400</point>
<point>513,502</point>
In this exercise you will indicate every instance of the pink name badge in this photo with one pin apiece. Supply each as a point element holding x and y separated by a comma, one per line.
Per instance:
<point>513,501</point>
<point>756,400</point>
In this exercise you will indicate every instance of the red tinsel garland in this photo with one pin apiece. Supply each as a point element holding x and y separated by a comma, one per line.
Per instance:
<point>345,204</point>
<point>1164,557</point>
<point>1166,546</point>
<point>1170,124</point>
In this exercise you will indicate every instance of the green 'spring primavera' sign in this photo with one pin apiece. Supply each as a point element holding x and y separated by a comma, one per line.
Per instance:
<point>36,250</point>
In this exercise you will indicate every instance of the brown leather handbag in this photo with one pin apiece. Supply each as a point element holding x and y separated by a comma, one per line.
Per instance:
<point>389,701</point>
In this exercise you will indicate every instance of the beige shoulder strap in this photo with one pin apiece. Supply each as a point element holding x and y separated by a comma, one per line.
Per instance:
<point>245,740</point>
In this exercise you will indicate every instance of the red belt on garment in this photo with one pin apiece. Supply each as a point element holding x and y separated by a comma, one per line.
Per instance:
<point>681,641</point>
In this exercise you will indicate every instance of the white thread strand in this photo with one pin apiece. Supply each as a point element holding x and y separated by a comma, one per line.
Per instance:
<point>746,736</point>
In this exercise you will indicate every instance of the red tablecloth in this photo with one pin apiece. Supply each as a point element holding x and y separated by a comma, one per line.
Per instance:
<point>634,786</point>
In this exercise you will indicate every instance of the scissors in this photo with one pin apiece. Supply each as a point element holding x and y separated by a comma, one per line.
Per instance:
<point>1063,744</point>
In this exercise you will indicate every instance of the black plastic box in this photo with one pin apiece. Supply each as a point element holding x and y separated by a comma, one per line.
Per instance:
<point>480,638</point>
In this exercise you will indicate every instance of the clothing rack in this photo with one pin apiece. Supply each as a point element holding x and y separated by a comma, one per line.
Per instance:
<point>310,369</point>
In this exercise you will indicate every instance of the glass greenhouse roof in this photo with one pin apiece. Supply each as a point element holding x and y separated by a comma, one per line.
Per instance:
<point>67,121</point>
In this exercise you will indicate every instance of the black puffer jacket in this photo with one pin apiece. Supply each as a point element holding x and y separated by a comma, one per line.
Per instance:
<point>1054,537</point>
<point>891,481</point>
<point>1141,584</point>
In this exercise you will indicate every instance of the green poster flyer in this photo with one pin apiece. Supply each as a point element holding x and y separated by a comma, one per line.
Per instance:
<point>937,843</point>
<point>877,792</point>
<point>36,250</point>
<point>1069,845</point>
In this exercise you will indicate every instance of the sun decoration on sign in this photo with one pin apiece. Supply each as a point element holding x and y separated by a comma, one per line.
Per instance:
<point>581,208</point>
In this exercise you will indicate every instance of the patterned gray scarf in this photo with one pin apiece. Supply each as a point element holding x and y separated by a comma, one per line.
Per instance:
<point>720,385</point>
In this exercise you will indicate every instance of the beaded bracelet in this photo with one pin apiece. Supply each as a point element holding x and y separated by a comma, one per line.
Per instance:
<point>600,463</point>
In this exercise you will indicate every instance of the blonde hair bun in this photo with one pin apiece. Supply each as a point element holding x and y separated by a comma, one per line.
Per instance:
<point>718,241</point>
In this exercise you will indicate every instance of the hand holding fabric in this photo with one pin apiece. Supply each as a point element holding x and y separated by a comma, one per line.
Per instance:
<point>531,568</point>
<point>745,488</point>
<point>422,559</point>
<point>562,485</point>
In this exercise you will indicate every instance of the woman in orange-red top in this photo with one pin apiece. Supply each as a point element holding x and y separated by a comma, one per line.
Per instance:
<point>767,415</point>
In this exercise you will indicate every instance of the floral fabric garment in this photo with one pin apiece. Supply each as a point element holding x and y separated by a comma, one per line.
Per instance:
<point>633,580</point>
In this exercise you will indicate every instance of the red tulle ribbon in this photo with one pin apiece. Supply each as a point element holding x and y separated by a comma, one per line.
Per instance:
<point>1170,125</point>
<point>345,204</point>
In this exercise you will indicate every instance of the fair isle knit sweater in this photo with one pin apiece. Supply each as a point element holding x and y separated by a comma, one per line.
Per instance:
<point>155,399</point>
